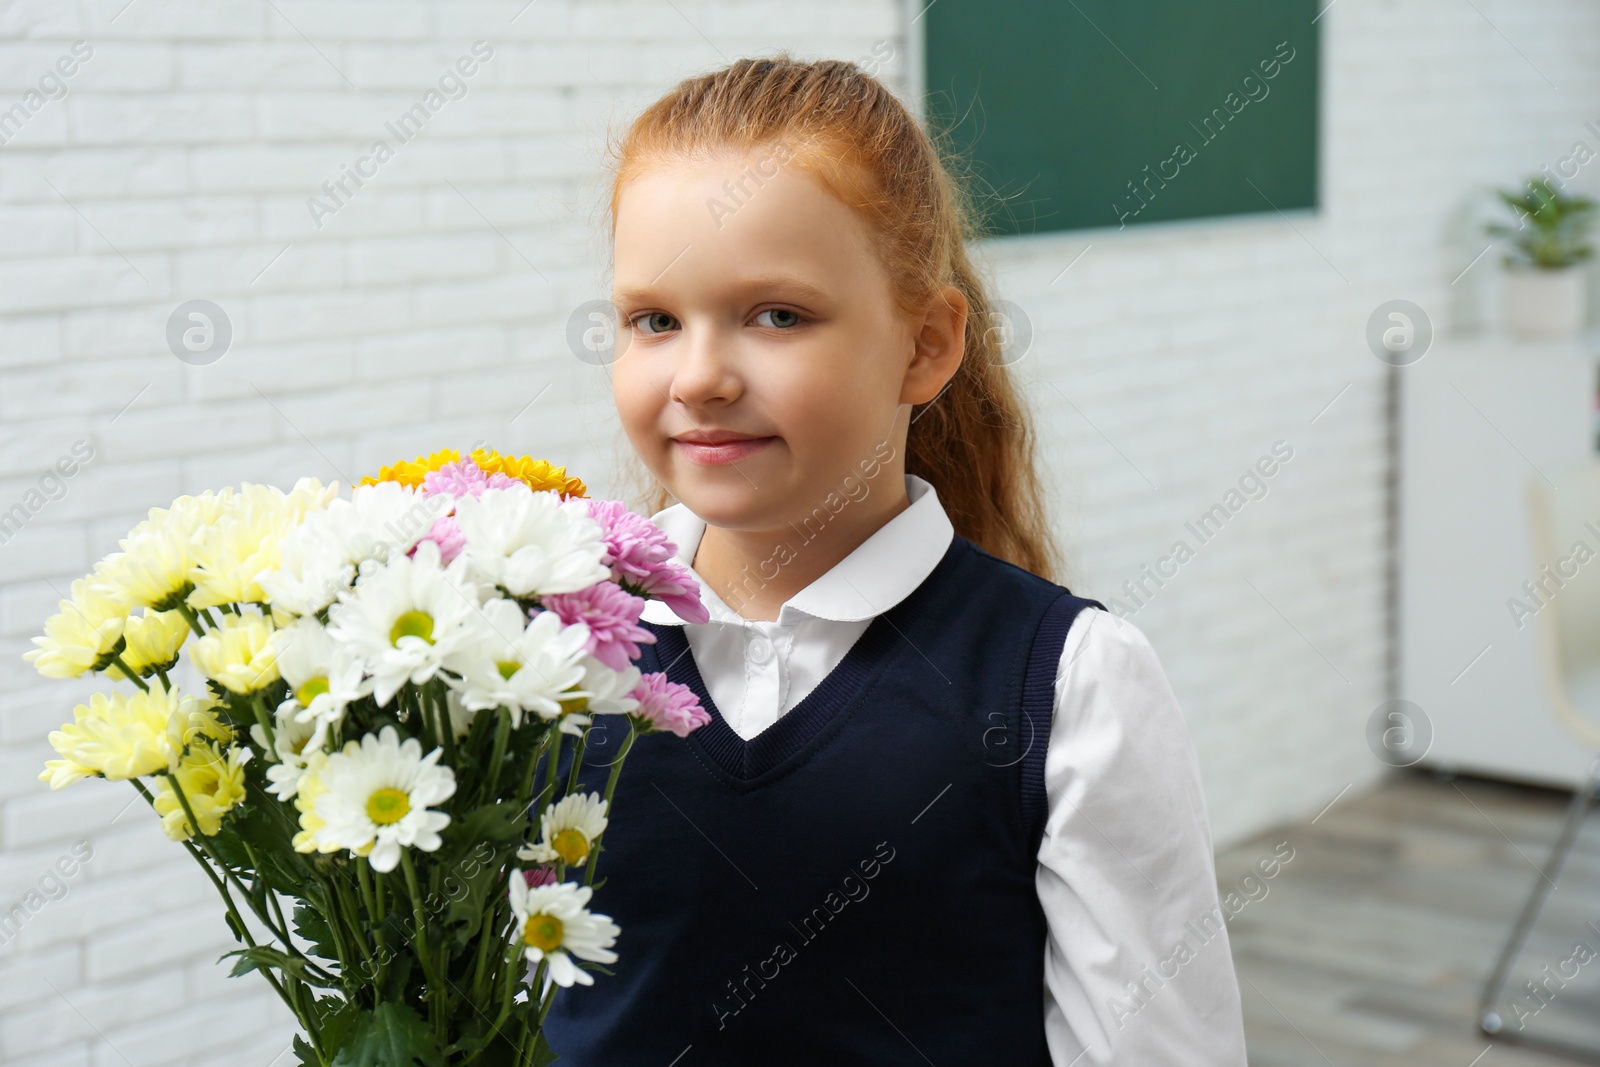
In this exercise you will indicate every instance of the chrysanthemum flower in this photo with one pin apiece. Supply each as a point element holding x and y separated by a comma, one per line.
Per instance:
<point>520,664</point>
<point>568,830</point>
<point>537,474</point>
<point>305,802</point>
<point>212,781</point>
<point>540,875</point>
<point>121,736</point>
<point>448,536</point>
<point>530,543</point>
<point>602,691</point>
<point>82,635</point>
<point>323,676</point>
<point>411,472</point>
<point>153,639</point>
<point>238,654</point>
<point>645,561</point>
<point>404,619</point>
<point>288,749</point>
<point>552,922</point>
<point>666,706</point>
<point>463,478</point>
<point>611,614</point>
<point>153,568</point>
<point>319,557</point>
<point>231,553</point>
<point>378,793</point>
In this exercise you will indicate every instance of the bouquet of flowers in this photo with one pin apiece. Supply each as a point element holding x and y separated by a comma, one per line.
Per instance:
<point>391,693</point>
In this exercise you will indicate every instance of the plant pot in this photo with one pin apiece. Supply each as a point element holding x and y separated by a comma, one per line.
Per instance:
<point>1547,304</point>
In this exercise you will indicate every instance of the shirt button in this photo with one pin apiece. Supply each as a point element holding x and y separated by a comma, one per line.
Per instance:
<point>760,649</point>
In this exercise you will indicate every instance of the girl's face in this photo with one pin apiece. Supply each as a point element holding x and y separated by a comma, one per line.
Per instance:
<point>757,308</point>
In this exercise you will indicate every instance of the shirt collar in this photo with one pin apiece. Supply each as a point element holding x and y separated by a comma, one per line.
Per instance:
<point>882,571</point>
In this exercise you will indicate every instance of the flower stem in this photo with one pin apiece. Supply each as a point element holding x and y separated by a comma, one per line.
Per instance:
<point>552,769</point>
<point>259,705</point>
<point>502,735</point>
<point>611,788</point>
<point>130,674</point>
<point>189,617</point>
<point>436,988</point>
<point>241,931</point>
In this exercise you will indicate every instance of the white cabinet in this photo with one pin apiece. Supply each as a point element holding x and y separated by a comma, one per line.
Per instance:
<point>1478,419</point>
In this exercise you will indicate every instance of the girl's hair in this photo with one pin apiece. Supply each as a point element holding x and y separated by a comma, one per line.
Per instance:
<point>973,442</point>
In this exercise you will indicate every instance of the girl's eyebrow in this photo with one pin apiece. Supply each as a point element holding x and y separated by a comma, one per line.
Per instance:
<point>791,286</point>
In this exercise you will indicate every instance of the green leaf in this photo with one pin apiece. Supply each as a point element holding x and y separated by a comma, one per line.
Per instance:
<point>311,924</point>
<point>393,1035</point>
<point>543,1055</point>
<point>259,956</point>
<point>500,823</point>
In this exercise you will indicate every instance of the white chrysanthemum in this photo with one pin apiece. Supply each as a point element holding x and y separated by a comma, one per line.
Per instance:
<point>601,691</point>
<point>378,793</point>
<point>81,636</point>
<point>238,654</point>
<point>320,557</point>
<point>324,678</point>
<point>553,922</point>
<point>405,618</point>
<point>461,716</point>
<point>568,830</point>
<point>289,748</point>
<point>523,664</point>
<point>531,543</point>
<point>231,553</point>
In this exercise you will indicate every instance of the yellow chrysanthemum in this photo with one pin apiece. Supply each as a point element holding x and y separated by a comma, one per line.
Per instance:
<point>122,736</point>
<point>239,654</point>
<point>212,781</point>
<point>537,474</point>
<point>153,567</point>
<point>153,639</point>
<point>409,473</point>
<point>83,635</point>
<point>232,552</point>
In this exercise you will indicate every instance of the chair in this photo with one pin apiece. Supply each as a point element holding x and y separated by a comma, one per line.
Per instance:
<point>1567,637</point>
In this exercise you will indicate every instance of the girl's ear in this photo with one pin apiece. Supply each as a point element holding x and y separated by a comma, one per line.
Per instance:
<point>938,344</point>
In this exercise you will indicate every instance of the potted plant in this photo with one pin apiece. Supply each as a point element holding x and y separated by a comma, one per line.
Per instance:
<point>1546,287</point>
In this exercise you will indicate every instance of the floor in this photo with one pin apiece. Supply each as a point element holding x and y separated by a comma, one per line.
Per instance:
<point>1371,944</point>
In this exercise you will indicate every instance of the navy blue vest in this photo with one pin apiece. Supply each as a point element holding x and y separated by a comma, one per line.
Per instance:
<point>855,885</point>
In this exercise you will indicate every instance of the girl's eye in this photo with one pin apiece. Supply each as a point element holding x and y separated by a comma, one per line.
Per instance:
<point>782,318</point>
<point>658,322</point>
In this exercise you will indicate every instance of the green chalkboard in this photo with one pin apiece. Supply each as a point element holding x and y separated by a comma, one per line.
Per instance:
<point>1077,114</point>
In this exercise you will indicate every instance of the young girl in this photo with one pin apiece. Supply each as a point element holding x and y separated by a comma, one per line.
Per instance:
<point>945,812</point>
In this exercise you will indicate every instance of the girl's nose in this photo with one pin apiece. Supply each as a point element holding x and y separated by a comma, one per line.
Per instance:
<point>708,367</point>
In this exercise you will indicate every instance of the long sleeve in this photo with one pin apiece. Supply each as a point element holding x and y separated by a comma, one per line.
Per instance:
<point>1138,971</point>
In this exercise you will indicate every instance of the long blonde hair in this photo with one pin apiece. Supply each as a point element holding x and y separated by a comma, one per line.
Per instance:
<point>974,442</point>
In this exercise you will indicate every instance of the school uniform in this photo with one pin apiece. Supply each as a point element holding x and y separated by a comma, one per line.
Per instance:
<point>945,812</point>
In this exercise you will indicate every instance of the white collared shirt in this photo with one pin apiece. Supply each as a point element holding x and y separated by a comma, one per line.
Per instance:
<point>1126,873</point>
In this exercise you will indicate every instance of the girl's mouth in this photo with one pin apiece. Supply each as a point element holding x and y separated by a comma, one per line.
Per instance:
<point>723,453</point>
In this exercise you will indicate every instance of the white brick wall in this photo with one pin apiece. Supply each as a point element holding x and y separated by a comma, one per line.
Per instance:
<point>178,167</point>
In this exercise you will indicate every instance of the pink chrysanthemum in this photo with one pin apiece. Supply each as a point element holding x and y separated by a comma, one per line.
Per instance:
<point>538,876</point>
<point>612,615</point>
<point>448,536</point>
<point>667,706</point>
<point>463,478</point>
<point>639,554</point>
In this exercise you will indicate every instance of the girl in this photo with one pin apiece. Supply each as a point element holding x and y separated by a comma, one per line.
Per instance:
<point>945,811</point>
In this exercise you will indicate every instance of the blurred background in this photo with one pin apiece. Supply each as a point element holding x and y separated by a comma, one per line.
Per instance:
<point>1250,285</point>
